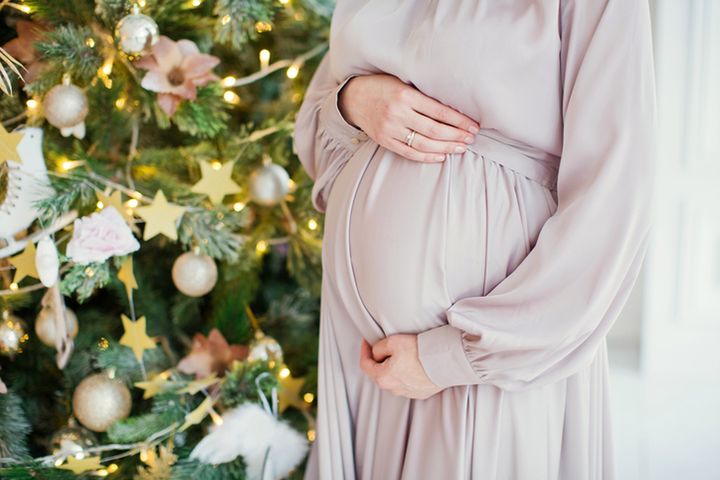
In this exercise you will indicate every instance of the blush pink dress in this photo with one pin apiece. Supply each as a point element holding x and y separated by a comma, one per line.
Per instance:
<point>511,261</point>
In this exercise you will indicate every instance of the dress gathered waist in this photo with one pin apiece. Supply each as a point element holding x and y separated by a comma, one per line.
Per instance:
<point>523,160</point>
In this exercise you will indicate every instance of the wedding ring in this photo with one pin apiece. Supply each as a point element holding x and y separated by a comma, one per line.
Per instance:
<point>410,137</point>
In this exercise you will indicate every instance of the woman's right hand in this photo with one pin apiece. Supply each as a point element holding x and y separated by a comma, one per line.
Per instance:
<point>386,108</point>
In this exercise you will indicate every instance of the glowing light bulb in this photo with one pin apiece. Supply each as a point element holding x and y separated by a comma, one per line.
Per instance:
<point>264,58</point>
<point>292,71</point>
<point>228,81</point>
<point>312,224</point>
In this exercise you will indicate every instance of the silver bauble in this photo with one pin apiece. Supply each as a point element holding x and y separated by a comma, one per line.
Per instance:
<point>13,334</point>
<point>136,33</point>
<point>65,105</point>
<point>269,184</point>
<point>72,441</point>
<point>99,401</point>
<point>45,325</point>
<point>267,349</point>
<point>194,273</point>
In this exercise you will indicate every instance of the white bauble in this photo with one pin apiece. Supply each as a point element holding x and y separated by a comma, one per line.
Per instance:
<point>269,184</point>
<point>45,325</point>
<point>65,107</point>
<point>136,33</point>
<point>27,183</point>
<point>99,401</point>
<point>47,262</point>
<point>194,274</point>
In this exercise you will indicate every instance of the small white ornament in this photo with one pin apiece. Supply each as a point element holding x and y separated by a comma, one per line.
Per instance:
<point>27,183</point>
<point>46,330</point>
<point>47,262</point>
<point>136,33</point>
<point>194,273</point>
<point>249,430</point>
<point>66,107</point>
<point>269,184</point>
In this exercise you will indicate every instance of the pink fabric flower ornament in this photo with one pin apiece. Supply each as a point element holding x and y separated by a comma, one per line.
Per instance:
<point>99,236</point>
<point>175,70</point>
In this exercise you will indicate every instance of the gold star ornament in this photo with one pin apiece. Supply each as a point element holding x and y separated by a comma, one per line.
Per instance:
<point>136,337</point>
<point>115,200</point>
<point>8,145</point>
<point>127,277</point>
<point>78,466</point>
<point>160,217</point>
<point>24,263</point>
<point>290,393</point>
<point>216,181</point>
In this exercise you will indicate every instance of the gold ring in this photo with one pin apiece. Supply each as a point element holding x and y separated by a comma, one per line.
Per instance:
<point>410,137</point>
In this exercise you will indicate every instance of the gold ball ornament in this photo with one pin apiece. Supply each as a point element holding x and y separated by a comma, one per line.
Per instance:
<point>72,441</point>
<point>65,107</point>
<point>45,325</point>
<point>12,334</point>
<point>265,348</point>
<point>99,401</point>
<point>269,184</point>
<point>194,273</point>
<point>136,33</point>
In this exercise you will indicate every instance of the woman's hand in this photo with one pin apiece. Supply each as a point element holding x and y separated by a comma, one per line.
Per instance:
<point>394,365</point>
<point>386,108</point>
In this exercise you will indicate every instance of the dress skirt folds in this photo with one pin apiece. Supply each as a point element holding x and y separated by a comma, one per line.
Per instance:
<point>511,261</point>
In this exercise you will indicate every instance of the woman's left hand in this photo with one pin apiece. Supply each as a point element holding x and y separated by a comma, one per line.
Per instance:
<point>394,365</point>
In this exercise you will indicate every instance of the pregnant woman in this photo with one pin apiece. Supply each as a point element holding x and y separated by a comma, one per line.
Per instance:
<point>485,170</point>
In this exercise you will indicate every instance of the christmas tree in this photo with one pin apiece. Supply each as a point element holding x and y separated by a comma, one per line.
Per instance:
<point>159,251</point>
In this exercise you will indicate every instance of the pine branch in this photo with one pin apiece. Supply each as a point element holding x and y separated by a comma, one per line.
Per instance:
<point>237,19</point>
<point>14,427</point>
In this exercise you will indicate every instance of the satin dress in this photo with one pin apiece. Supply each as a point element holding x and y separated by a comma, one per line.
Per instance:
<point>510,262</point>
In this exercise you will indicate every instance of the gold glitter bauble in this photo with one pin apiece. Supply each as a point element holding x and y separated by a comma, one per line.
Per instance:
<point>45,325</point>
<point>72,440</point>
<point>194,274</point>
<point>12,334</point>
<point>267,349</point>
<point>99,401</point>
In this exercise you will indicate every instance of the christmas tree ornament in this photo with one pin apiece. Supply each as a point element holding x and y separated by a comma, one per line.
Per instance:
<point>216,181</point>
<point>199,414</point>
<point>99,401</point>
<point>158,384</point>
<point>115,200</point>
<point>194,273</point>
<point>47,262</point>
<point>269,184</point>
<point>78,466</point>
<point>175,71</point>
<point>23,48</point>
<point>136,33</point>
<point>160,217</point>
<point>265,348</point>
<point>26,183</point>
<point>56,325</point>
<point>127,276</point>
<point>290,394</point>
<point>99,236</point>
<point>24,263</point>
<point>45,327</point>
<point>272,451</point>
<point>66,107</point>
<point>9,143</point>
<point>211,355</point>
<point>135,336</point>
<point>12,334</point>
<point>72,441</point>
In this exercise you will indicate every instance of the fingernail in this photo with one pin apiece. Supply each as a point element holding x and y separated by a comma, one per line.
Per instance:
<point>469,139</point>
<point>473,129</point>
<point>459,149</point>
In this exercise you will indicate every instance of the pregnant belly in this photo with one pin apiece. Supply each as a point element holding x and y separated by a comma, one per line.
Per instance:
<point>423,235</point>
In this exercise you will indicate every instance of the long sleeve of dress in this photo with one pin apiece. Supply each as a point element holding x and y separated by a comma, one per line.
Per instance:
<point>323,140</point>
<point>545,321</point>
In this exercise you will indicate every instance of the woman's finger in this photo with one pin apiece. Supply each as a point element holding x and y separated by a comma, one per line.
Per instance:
<point>403,150</point>
<point>437,110</point>
<point>437,130</point>
<point>429,145</point>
